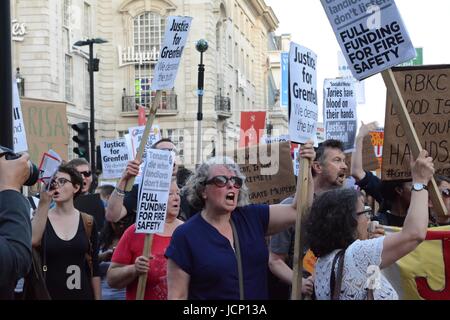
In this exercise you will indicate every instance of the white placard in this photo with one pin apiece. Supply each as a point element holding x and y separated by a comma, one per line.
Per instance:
<point>175,36</point>
<point>345,72</point>
<point>339,111</point>
<point>136,134</point>
<point>295,161</point>
<point>272,139</point>
<point>154,191</point>
<point>19,134</point>
<point>114,158</point>
<point>49,165</point>
<point>303,93</point>
<point>371,34</point>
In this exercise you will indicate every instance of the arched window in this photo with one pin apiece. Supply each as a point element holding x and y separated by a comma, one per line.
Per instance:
<point>148,34</point>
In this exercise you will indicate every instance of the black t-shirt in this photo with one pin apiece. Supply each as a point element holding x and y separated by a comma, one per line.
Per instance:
<point>68,273</point>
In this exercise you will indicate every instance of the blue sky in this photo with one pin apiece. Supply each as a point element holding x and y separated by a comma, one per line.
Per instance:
<point>428,26</point>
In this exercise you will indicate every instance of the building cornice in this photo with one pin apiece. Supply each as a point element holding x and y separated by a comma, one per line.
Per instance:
<point>267,14</point>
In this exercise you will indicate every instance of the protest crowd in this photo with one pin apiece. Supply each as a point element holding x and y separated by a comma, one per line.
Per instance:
<point>333,221</point>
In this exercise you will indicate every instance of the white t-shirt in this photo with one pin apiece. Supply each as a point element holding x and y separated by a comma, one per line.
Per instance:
<point>361,266</point>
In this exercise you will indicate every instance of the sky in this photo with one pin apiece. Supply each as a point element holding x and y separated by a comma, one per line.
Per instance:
<point>428,25</point>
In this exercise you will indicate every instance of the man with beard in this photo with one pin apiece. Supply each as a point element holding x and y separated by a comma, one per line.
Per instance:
<point>328,171</point>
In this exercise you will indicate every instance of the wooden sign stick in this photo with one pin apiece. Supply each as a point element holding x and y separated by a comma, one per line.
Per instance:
<point>411,135</point>
<point>302,206</point>
<point>142,282</point>
<point>146,134</point>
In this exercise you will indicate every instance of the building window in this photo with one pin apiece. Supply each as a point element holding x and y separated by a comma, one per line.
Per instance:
<point>148,34</point>
<point>68,77</point>
<point>66,12</point>
<point>177,137</point>
<point>87,21</point>
<point>230,50</point>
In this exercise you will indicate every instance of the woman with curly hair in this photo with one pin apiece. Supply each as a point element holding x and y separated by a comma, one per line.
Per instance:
<point>201,256</point>
<point>337,233</point>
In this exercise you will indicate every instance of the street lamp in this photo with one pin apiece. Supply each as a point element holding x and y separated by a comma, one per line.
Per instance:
<point>93,66</point>
<point>201,46</point>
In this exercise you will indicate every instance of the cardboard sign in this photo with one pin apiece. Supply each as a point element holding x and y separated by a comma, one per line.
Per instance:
<point>303,93</point>
<point>175,36</point>
<point>339,111</point>
<point>426,91</point>
<point>269,174</point>
<point>115,157</point>
<point>46,127</point>
<point>20,137</point>
<point>154,191</point>
<point>372,37</point>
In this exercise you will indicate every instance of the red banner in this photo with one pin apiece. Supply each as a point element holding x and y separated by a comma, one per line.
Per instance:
<point>253,124</point>
<point>142,119</point>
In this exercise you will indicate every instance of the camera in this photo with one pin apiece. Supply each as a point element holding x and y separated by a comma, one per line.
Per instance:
<point>34,171</point>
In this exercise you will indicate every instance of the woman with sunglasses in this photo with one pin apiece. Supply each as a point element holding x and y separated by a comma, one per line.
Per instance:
<point>337,233</point>
<point>71,259</point>
<point>128,263</point>
<point>201,256</point>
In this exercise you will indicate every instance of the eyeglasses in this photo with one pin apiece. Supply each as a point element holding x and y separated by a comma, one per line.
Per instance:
<point>367,212</point>
<point>446,193</point>
<point>58,183</point>
<point>221,181</point>
<point>86,174</point>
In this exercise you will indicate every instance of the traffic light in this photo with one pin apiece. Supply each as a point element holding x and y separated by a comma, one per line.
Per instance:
<point>82,139</point>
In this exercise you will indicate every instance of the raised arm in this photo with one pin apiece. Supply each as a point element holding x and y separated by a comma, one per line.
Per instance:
<point>414,230</point>
<point>40,216</point>
<point>115,209</point>
<point>282,216</point>
<point>357,170</point>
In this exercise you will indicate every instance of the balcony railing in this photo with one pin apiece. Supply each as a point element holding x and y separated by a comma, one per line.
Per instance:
<point>168,103</point>
<point>223,106</point>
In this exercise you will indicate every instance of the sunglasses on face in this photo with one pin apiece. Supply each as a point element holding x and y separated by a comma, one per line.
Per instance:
<point>58,183</point>
<point>86,174</point>
<point>221,181</point>
<point>367,212</point>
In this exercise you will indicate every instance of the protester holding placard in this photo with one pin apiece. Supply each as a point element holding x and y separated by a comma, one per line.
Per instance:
<point>204,252</point>
<point>329,172</point>
<point>337,232</point>
<point>67,240</point>
<point>120,203</point>
<point>128,263</point>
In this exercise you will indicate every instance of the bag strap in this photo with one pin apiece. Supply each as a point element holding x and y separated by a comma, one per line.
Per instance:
<point>239,260</point>
<point>336,281</point>
<point>88,221</point>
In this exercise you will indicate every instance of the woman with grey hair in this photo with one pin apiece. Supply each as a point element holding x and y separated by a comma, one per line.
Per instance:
<point>203,253</point>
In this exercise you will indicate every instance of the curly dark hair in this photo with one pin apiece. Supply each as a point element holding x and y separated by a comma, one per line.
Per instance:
<point>75,176</point>
<point>331,223</point>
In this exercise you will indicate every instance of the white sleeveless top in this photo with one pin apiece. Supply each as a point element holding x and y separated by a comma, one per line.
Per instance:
<point>361,267</point>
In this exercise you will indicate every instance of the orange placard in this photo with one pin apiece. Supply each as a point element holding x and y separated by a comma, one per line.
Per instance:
<point>309,262</point>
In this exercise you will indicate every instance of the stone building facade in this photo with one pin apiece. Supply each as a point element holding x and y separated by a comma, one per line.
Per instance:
<point>237,64</point>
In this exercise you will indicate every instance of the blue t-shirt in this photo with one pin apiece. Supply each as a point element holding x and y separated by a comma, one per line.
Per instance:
<point>208,257</point>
